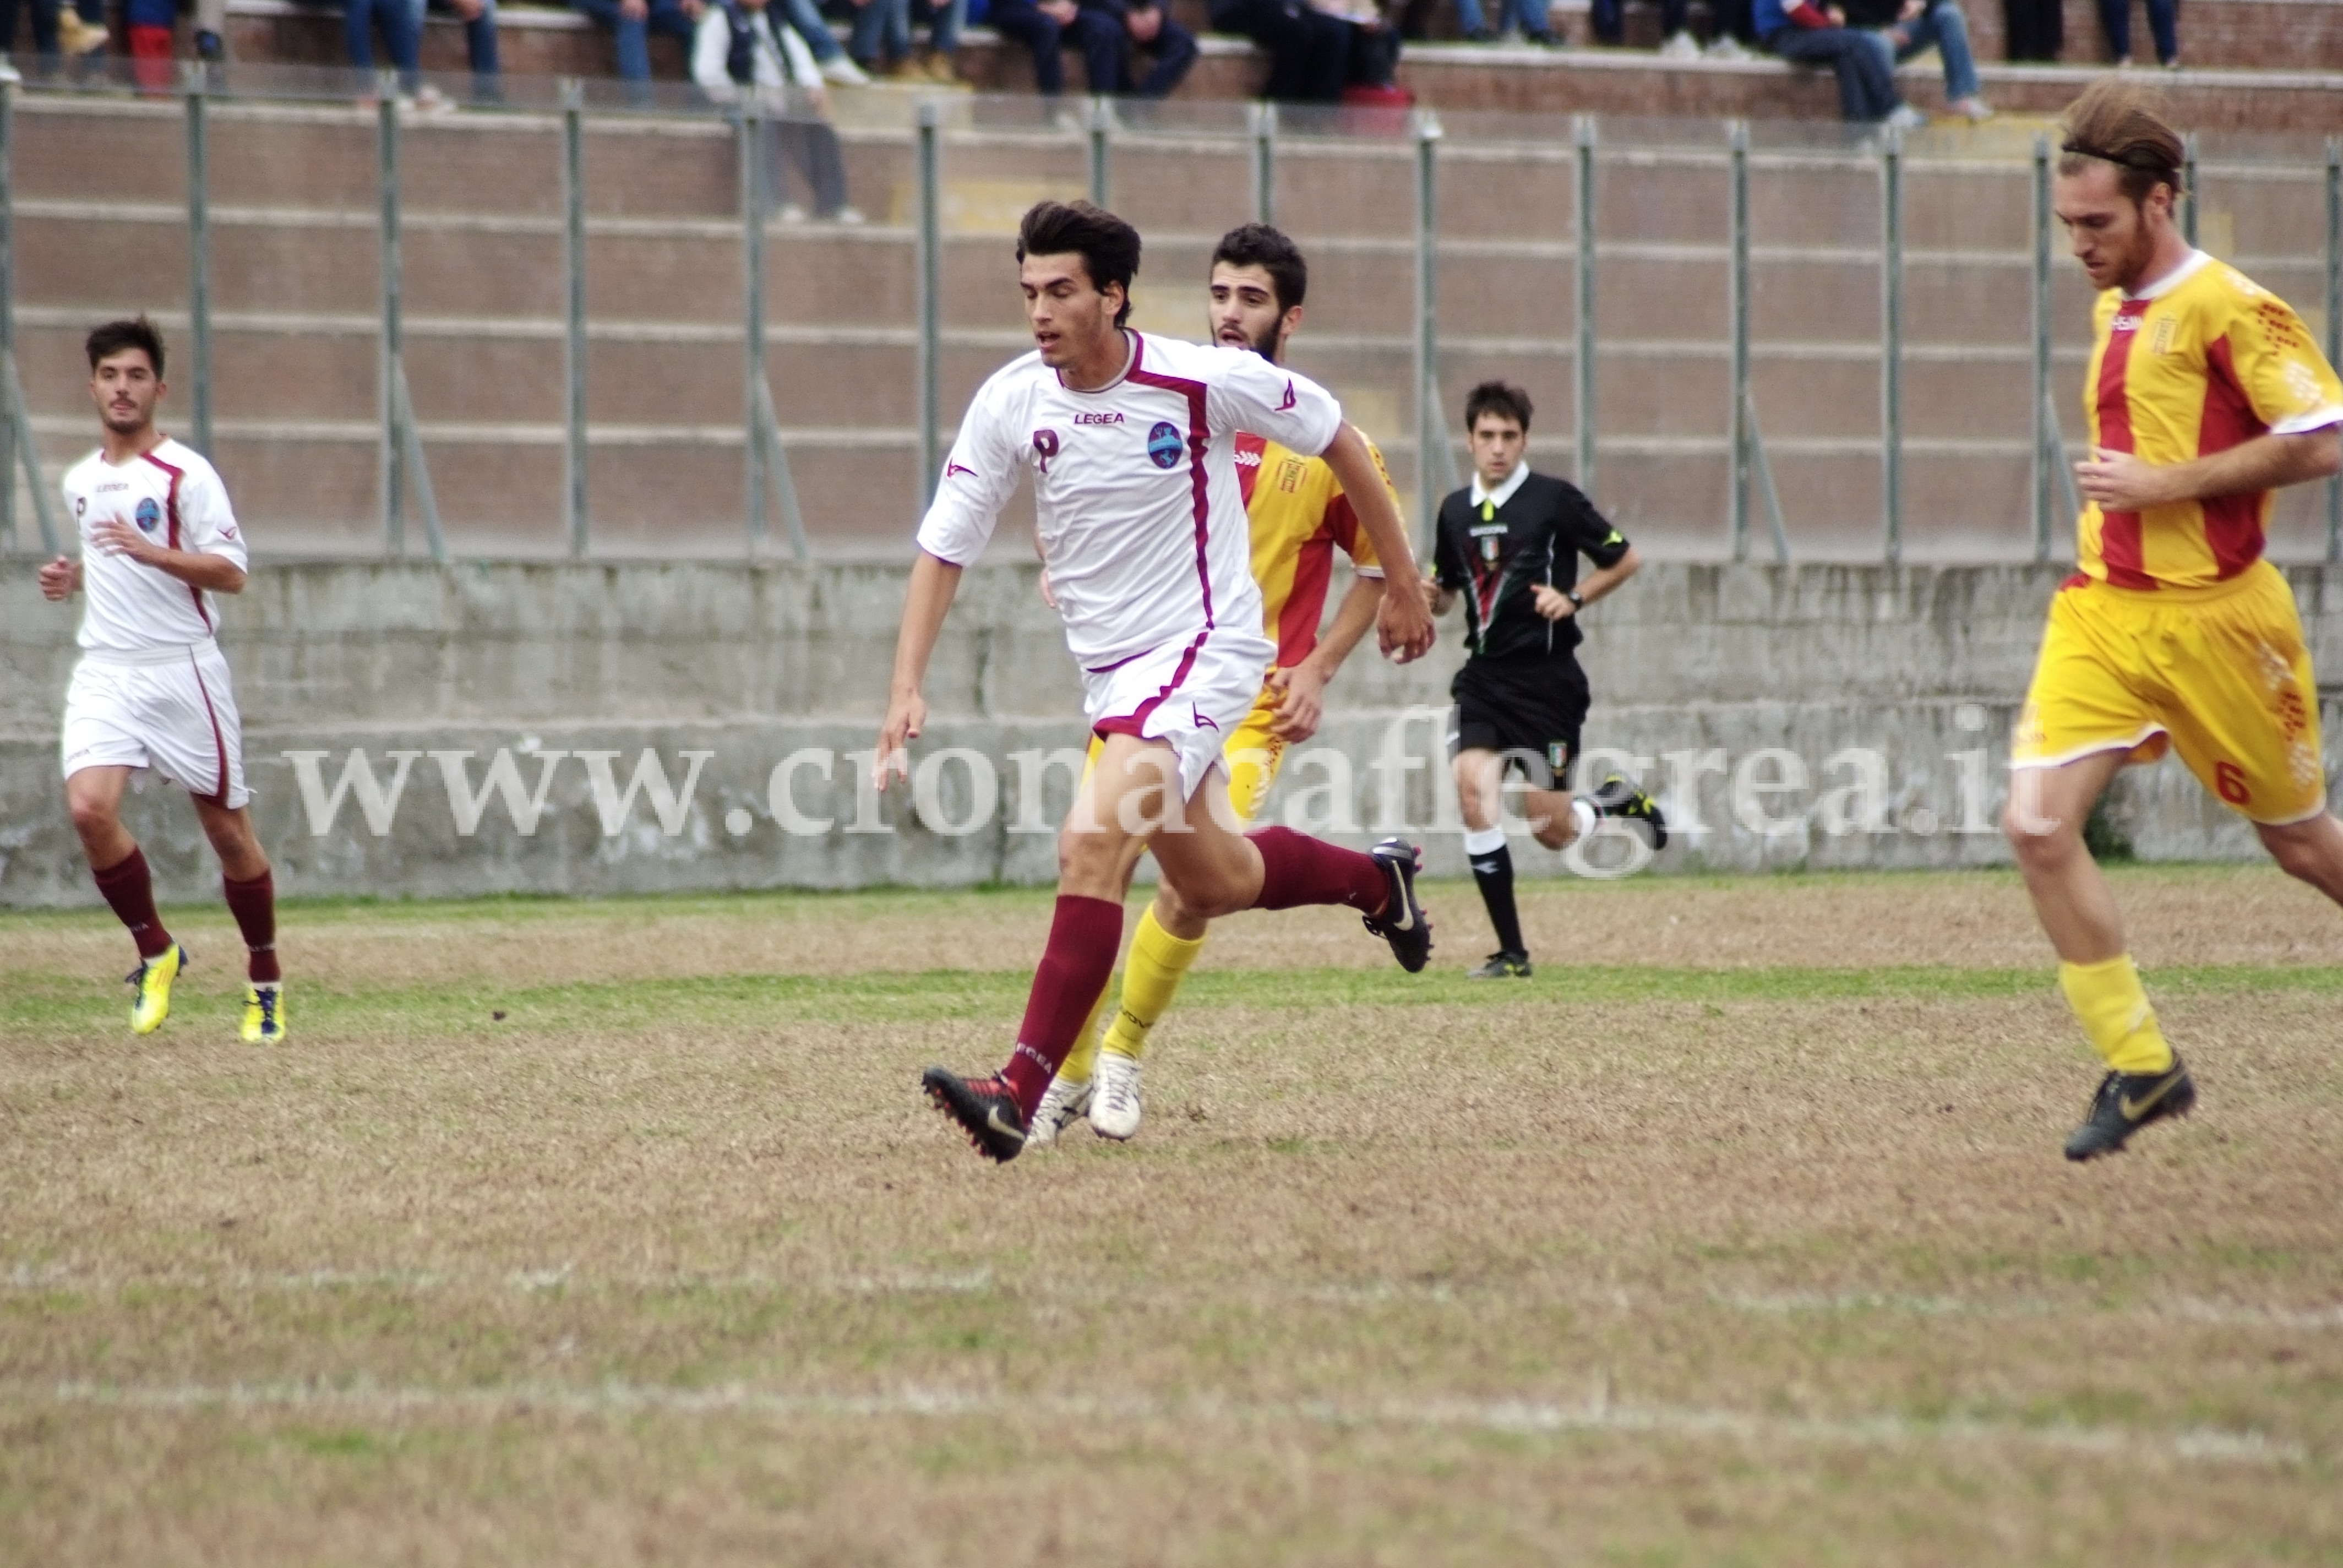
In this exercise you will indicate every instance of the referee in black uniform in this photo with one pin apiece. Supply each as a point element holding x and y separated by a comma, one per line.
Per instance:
<point>1509,547</point>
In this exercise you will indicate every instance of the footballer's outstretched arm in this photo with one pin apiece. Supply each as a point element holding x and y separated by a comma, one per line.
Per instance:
<point>1402,626</point>
<point>926,601</point>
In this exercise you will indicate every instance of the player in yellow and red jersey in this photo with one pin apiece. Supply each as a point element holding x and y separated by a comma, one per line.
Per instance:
<point>1300,518</point>
<point>2205,394</point>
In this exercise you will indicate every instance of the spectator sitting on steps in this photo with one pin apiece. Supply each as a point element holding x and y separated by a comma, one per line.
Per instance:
<point>881,40</point>
<point>1608,21</point>
<point>1047,27</point>
<point>1535,21</point>
<point>632,23</point>
<point>837,65</point>
<point>1807,32</point>
<point>1145,28</point>
<point>1370,46</point>
<point>740,52</point>
<point>1308,51</point>
<point>1904,28</point>
<point>2163,23</point>
<point>479,20</point>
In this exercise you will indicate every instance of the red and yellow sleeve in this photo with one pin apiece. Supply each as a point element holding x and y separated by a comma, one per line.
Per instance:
<point>2277,364</point>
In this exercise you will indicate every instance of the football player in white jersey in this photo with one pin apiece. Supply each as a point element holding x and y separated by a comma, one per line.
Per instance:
<point>1131,441</point>
<point>151,690</point>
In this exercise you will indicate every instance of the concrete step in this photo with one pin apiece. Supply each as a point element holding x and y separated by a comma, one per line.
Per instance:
<point>2251,63</point>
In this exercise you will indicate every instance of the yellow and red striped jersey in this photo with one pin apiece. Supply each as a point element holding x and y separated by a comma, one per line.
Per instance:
<point>2201,361</point>
<point>1299,516</point>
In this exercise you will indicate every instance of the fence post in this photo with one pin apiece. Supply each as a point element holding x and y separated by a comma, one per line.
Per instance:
<point>394,511</point>
<point>573,257</point>
<point>8,312</point>
<point>1265,162</point>
<point>17,444</point>
<point>1430,423</point>
<point>2335,322</point>
<point>930,313</point>
<point>2188,188</point>
<point>752,134</point>
<point>1737,419</point>
<point>2047,453</point>
<point>1891,343</point>
<point>199,254</point>
<point>1101,120</point>
<point>1584,135</point>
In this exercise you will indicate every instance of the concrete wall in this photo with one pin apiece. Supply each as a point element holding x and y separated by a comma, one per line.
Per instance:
<point>1812,716</point>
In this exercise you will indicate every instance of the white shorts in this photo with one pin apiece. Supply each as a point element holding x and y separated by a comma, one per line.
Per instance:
<point>1192,695</point>
<point>174,714</point>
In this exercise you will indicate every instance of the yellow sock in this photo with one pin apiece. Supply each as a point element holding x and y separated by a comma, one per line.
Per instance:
<point>1151,978</point>
<point>2113,1007</point>
<point>1082,1060</point>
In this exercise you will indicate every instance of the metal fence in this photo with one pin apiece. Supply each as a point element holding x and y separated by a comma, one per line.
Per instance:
<point>553,322</point>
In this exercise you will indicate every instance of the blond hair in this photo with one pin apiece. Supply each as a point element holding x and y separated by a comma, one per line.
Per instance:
<point>2115,121</point>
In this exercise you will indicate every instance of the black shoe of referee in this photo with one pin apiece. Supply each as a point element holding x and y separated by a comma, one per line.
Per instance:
<point>1615,797</point>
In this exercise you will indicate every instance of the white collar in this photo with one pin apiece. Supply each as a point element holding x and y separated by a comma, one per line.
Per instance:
<point>2197,260</point>
<point>1131,352</point>
<point>1505,492</point>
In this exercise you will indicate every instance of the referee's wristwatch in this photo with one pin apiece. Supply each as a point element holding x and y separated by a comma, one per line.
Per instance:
<point>1577,600</point>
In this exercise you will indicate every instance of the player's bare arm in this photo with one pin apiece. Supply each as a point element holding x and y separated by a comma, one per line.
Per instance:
<point>2123,482</point>
<point>1303,687</point>
<point>926,601</point>
<point>1402,628</point>
<point>1555,605</point>
<point>60,580</point>
<point>215,574</point>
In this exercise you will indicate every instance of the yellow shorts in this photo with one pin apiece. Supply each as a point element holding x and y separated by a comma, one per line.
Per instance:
<point>1252,755</point>
<point>2219,673</point>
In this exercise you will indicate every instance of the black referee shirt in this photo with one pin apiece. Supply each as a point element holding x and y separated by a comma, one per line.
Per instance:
<point>1495,555</point>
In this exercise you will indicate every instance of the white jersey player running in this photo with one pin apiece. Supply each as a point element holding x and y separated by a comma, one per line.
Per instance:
<point>1130,443</point>
<point>151,690</point>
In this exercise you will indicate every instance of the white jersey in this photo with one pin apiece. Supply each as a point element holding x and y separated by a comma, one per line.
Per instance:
<point>175,498</point>
<point>1143,523</point>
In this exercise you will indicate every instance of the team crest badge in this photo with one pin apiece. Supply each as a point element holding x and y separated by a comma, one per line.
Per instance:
<point>1163,445</point>
<point>149,516</point>
<point>1045,447</point>
<point>1557,756</point>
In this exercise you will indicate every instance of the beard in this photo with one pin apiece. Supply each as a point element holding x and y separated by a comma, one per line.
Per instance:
<point>1265,346</point>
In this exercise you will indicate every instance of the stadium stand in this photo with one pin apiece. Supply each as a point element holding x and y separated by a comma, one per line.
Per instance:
<point>296,306</point>
<point>2228,45</point>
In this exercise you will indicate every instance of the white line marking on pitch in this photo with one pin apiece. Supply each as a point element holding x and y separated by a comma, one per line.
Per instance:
<point>1599,1414</point>
<point>30,1278</point>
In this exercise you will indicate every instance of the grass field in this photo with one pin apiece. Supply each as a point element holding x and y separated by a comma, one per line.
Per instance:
<point>616,1233</point>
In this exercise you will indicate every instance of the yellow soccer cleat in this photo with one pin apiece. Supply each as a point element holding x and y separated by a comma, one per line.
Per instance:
<point>153,978</point>
<point>264,1014</point>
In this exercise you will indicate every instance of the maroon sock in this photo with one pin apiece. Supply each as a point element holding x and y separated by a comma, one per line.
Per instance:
<point>1297,869</point>
<point>1074,971</point>
<point>130,891</point>
<point>254,905</point>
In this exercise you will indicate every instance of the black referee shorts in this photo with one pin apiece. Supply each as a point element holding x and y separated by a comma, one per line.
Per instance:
<point>1536,705</point>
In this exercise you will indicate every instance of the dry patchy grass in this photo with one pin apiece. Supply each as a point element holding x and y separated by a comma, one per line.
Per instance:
<point>1719,1241</point>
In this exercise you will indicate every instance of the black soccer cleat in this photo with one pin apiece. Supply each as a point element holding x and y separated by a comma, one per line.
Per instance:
<point>1502,966</point>
<point>2127,1102</point>
<point>1402,923</point>
<point>986,1109</point>
<point>1615,797</point>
